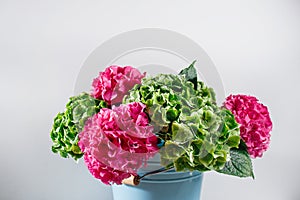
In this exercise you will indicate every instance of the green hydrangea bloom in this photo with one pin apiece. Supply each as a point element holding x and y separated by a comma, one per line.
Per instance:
<point>160,98</point>
<point>198,134</point>
<point>68,124</point>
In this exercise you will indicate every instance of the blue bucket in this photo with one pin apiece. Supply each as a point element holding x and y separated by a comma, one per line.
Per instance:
<point>169,185</point>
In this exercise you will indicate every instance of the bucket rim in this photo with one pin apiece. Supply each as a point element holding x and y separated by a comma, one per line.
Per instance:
<point>172,180</point>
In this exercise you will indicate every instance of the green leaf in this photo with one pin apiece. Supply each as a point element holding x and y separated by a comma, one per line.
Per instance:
<point>190,74</point>
<point>239,164</point>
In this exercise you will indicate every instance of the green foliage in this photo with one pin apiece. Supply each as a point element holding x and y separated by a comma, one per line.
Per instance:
<point>68,124</point>
<point>190,74</point>
<point>239,164</point>
<point>198,134</point>
<point>212,141</point>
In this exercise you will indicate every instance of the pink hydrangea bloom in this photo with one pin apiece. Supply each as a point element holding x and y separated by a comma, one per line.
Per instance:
<point>101,171</point>
<point>107,139</point>
<point>255,122</point>
<point>114,83</point>
<point>134,121</point>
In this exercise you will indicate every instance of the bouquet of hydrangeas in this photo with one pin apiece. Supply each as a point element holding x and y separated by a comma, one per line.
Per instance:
<point>128,118</point>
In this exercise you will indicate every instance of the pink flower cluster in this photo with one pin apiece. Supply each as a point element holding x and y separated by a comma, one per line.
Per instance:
<point>103,172</point>
<point>117,142</point>
<point>255,122</point>
<point>114,83</point>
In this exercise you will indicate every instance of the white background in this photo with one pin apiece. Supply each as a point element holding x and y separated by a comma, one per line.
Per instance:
<point>255,45</point>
